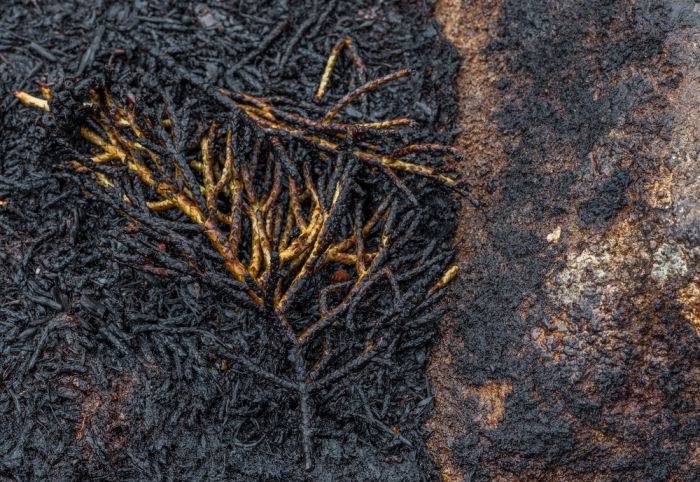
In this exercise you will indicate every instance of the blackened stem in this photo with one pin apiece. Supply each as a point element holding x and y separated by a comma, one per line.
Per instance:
<point>306,426</point>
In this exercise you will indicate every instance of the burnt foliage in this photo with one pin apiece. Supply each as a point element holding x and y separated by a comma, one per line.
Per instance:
<point>240,281</point>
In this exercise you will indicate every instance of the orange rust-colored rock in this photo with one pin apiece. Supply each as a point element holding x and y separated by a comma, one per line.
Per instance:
<point>469,27</point>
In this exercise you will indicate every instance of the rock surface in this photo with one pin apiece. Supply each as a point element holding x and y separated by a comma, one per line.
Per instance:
<point>572,351</point>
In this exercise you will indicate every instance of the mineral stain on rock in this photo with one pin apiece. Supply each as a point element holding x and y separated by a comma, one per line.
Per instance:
<point>607,200</point>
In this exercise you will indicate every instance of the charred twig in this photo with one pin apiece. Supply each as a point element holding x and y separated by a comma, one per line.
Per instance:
<point>264,44</point>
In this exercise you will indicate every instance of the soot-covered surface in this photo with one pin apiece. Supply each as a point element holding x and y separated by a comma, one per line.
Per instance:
<point>108,367</point>
<point>573,353</point>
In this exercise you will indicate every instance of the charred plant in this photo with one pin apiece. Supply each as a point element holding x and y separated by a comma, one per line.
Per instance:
<point>287,204</point>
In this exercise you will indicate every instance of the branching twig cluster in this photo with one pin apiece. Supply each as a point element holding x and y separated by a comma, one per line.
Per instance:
<point>279,197</point>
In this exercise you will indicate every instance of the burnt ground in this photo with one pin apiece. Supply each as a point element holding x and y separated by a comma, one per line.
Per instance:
<point>572,353</point>
<point>115,367</point>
